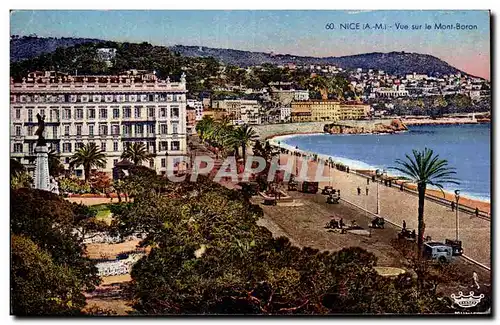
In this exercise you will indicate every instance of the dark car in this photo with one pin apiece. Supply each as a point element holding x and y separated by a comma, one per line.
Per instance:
<point>456,246</point>
<point>309,187</point>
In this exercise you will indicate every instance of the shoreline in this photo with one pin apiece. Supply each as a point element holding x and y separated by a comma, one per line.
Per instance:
<point>467,201</point>
<point>397,206</point>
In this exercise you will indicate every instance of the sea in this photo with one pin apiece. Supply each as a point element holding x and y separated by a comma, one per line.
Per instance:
<point>466,147</point>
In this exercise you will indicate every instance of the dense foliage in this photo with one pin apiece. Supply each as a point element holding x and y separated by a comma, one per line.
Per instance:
<point>49,270</point>
<point>209,256</point>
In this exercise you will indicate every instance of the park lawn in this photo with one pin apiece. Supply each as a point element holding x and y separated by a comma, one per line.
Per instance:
<point>103,213</point>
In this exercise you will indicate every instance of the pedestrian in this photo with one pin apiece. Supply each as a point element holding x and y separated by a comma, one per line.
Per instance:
<point>401,188</point>
<point>477,213</point>
<point>476,280</point>
<point>373,178</point>
<point>367,181</point>
<point>341,222</point>
<point>404,224</point>
<point>359,190</point>
<point>367,190</point>
<point>452,206</point>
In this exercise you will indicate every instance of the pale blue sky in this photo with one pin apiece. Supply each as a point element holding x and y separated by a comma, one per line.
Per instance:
<point>293,32</point>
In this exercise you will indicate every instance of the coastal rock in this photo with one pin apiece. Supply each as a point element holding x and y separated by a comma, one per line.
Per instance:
<point>395,125</point>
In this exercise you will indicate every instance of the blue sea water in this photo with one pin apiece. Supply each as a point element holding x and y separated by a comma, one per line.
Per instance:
<point>466,147</point>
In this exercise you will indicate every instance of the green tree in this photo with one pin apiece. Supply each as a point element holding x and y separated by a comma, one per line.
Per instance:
<point>88,156</point>
<point>423,169</point>
<point>50,223</point>
<point>241,137</point>
<point>137,153</point>
<point>20,180</point>
<point>16,167</point>
<point>41,287</point>
<point>203,125</point>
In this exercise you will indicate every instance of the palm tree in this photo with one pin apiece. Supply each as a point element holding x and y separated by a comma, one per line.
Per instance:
<point>203,125</point>
<point>89,156</point>
<point>241,136</point>
<point>137,153</point>
<point>425,168</point>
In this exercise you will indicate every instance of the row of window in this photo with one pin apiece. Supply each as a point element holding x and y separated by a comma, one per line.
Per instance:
<point>103,129</point>
<point>67,147</point>
<point>78,113</point>
<point>85,98</point>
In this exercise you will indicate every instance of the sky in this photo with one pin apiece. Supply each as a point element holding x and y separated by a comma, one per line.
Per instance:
<point>285,32</point>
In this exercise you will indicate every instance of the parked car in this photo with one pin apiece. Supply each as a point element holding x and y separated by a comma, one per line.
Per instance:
<point>438,251</point>
<point>309,187</point>
<point>456,245</point>
<point>327,190</point>
<point>378,222</point>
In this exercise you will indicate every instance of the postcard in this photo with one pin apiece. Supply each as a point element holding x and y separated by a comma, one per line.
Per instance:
<point>250,162</point>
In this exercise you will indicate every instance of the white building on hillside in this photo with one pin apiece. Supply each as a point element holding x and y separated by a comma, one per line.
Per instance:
<point>300,95</point>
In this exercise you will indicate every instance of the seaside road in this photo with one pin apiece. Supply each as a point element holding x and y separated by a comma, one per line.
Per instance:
<point>396,206</point>
<point>304,221</point>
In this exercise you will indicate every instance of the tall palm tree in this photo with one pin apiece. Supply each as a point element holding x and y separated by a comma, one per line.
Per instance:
<point>425,168</point>
<point>241,137</point>
<point>89,156</point>
<point>137,153</point>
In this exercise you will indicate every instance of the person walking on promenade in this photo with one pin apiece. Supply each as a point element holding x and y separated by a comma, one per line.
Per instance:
<point>359,190</point>
<point>404,224</point>
<point>367,181</point>
<point>475,278</point>
<point>401,188</point>
<point>367,190</point>
<point>477,213</point>
<point>452,206</point>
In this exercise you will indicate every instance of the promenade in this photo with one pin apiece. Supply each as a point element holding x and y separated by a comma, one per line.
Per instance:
<point>396,206</point>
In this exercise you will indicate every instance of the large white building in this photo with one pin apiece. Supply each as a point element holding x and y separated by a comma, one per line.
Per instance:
<point>110,111</point>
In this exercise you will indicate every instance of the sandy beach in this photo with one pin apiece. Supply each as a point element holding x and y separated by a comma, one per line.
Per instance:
<point>396,206</point>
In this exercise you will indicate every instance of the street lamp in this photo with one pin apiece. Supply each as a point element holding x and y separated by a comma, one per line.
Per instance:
<point>279,152</point>
<point>379,173</point>
<point>457,198</point>
<point>296,163</point>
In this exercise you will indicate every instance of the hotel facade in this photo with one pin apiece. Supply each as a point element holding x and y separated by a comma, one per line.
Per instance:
<point>110,111</point>
<point>327,110</point>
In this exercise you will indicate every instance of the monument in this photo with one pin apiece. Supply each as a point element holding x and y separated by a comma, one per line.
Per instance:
<point>42,176</point>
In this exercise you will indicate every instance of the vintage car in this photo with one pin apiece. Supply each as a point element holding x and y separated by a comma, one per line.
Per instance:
<point>438,251</point>
<point>456,245</point>
<point>333,198</point>
<point>378,222</point>
<point>327,190</point>
<point>407,234</point>
<point>309,187</point>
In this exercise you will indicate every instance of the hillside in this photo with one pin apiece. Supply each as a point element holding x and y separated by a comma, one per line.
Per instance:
<point>398,63</point>
<point>28,47</point>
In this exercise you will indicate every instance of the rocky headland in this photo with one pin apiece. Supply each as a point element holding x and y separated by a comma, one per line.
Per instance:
<point>392,126</point>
